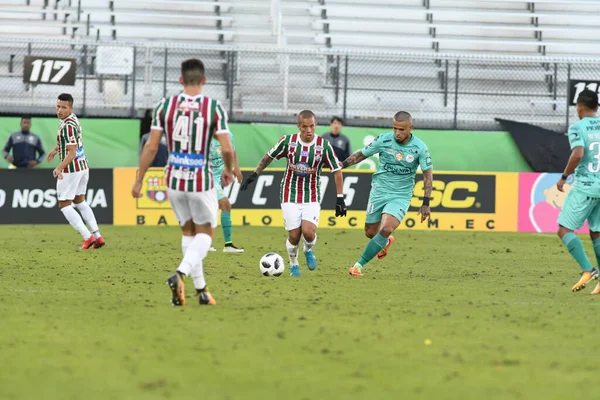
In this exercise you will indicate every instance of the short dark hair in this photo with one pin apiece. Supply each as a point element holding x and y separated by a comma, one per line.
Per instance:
<point>336,118</point>
<point>192,71</point>
<point>402,116</point>
<point>588,99</point>
<point>26,116</point>
<point>66,97</point>
<point>306,114</point>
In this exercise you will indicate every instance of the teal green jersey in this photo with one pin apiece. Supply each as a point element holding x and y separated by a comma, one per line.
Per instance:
<point>398,163</point>
<point>586,133</point>
<point>215,155</point>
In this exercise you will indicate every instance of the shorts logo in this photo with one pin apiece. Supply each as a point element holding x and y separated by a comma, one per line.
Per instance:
<point>399,156</point>
<point>410,158</point>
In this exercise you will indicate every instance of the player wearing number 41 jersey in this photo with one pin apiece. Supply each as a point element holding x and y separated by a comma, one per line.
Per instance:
<point>190,121</point>
<point>300,192</point>
<point>72,174</point>
<point>583,200</point>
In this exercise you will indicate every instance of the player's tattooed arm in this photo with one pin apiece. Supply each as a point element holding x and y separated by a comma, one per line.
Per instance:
<point>353,159</point>
<point>264,163</point>
<point>428,182</point>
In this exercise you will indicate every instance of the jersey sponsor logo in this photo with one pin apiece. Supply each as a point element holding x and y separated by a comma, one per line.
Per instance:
<point>293,144</point>
<point>410,158</point>
<point>304,153</point>
<point>318,148</point>
<point>302,169</point>
<point>397,169</point>
<point>187,106</point>
<point>458,193</point>
<point>79,153</point>
<point>184,160</point>
<point>428,161</point>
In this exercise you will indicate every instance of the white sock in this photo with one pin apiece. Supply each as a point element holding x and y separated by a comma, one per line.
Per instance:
<point>292,252</point>
<point>88,216</point>
<point>195,253</point>
<point>309,245</point>
<point>75,220</point>
<point>198,276</point>
<point>185,242</point>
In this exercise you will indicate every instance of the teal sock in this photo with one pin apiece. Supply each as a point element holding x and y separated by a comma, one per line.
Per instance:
<point>226,225</point>
<point>575,247</point>
<point>596,243</point>
<point>373,247</point>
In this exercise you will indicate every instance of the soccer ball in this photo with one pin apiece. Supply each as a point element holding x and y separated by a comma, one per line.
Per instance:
<point>271,264</point>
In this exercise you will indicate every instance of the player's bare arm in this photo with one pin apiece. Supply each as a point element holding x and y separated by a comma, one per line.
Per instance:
<point>353,159</point>
<point>71,152</point>
<point>574,160</point>
<point>52,154</point>
<point>148,154</point>
<point>228,159</point>
<point>237,172</point>
<point>263,163</point>
<point>425,211</point>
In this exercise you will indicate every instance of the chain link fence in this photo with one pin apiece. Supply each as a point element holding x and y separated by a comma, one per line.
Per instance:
<point>442,91</point>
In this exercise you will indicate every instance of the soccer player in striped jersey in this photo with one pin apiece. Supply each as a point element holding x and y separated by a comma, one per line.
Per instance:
<point>191,121</point>
<point>224,204</point>
<point>300,190</point>
<point>73,174</point>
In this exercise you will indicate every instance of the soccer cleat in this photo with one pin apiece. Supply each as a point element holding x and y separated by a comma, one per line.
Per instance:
<point>311,260</point>
<point>295,270</point>
<point>230,248</point>
<point>586,276</point>
<point>205,298</point>
<point>355,271</point>
<point>177,289</point>
<point>88,243</point>
<point>99,243</point>
<point>212,249</point>
<point>381,255</point>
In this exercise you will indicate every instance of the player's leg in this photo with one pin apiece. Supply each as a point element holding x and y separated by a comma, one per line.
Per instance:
<point>225,207</point>
<point>576,209</point>
<point>372,224</point>
<point>86,211</point>
<point>65,191</point>
<point>594,227</point>
<point>292,219</point>
<point>310,221</point>
<point>220,194</point>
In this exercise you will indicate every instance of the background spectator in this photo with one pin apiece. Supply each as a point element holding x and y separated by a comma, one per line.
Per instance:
<point>24,145</point>
<point>339,141</point>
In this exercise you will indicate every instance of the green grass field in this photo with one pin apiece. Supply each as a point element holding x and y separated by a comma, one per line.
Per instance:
<point>497,308</point>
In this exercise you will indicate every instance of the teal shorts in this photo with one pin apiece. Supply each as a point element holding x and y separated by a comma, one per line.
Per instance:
<point>217,178</point>
<point>579,207</point>
<point>385,204</point>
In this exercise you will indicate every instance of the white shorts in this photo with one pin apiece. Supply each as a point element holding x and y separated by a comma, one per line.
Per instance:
<point>201,207</point>
<point>72,184</point>
<point>295,213</point>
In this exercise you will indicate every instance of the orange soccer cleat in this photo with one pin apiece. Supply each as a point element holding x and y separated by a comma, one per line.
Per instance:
<point>88,243</point>
<point>355,271</point>
<point>177,289</point>
<point>586,276</point>
<point>381,255</point>
<point>205,298</point>
<point>99,243</point>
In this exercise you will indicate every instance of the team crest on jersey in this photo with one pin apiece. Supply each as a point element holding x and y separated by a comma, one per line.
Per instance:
<point>410,158</point>
<point>318,148</point>
<point>293,144</point>
<point>156,188</point>
<point>399,156</point>
<point>302,169</point>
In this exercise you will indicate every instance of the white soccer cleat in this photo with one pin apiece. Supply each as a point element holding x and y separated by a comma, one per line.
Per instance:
<point>212,249</point>
<point>230,248</point>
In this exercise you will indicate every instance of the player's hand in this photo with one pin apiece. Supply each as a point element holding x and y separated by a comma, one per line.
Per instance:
<point>560,184</point>
<point>249,179</point>
<point>425,213</point>
<point>50,156</point>
<point>32,163</point>
<point>226,179</point>
<point>340,207</point>
<point>136,189</point>
<point>10,159</point>
<point>239,176</point>
<point>57,173</point>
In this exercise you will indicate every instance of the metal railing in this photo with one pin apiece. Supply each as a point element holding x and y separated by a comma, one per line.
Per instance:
<point>446,91</point>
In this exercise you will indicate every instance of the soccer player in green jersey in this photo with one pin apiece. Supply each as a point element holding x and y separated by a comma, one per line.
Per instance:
<point>583,200</point>
<point>400,154</point>
<point>224,204</point>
